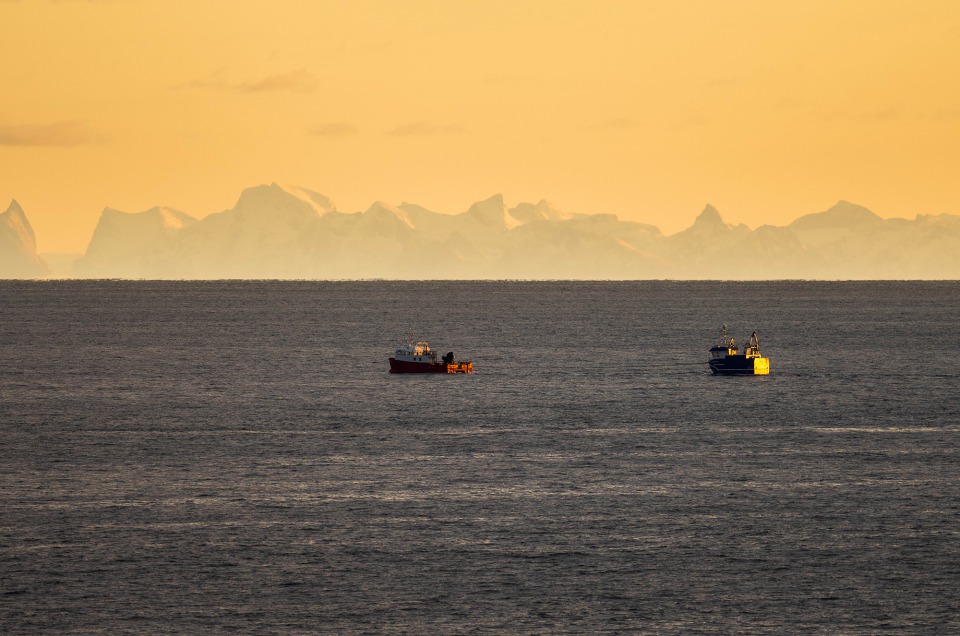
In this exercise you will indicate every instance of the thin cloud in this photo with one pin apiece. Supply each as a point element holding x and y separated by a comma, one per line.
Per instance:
<point>300,81</point>
<point>337,129</point>
<point>213,81</point>
<point>424,129</point>
<point>64,134</point>
<point>294,81</point>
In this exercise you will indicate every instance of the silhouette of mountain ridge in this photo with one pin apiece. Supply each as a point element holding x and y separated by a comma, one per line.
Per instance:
<point>278,231</point>
<point>18,245</point>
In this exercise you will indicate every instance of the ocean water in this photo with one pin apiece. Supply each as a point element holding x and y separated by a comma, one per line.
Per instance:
<point>180,457</point>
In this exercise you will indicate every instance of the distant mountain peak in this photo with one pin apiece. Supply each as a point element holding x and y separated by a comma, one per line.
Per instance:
<point>156,216</point>
<point>14,208</point>
<point>707,225</point>
<point>842,214</point>
<point>320,201</point>
<point>274,198</point>
<point>542,211</point>
<point>846,207</point>
<point>493,211</point>
<point>18,245</point>
<point>495,201</point>
<point>381,211</point>
<point>710,217</point>
<point>16,220</point>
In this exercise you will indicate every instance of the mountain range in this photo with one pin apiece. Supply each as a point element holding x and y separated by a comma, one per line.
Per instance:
<point>285,232</point>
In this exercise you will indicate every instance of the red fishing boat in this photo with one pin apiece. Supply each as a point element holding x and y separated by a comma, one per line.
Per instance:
<point>420,358</point>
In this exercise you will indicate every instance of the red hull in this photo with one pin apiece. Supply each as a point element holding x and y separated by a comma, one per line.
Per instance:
<point>403,366</point>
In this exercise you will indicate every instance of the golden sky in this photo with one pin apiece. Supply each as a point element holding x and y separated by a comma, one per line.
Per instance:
<point>649,110</point>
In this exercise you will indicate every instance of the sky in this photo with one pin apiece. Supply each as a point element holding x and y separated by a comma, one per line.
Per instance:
<point>648,110</point>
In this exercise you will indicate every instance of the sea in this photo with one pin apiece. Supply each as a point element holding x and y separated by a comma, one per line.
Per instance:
<point>234,457</point>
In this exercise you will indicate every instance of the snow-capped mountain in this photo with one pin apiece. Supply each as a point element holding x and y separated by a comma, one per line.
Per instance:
<point>278,231</point>
<point>135,245</point>
<point>18,246</point>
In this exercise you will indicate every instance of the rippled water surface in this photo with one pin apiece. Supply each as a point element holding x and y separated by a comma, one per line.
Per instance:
<point>209,457</point>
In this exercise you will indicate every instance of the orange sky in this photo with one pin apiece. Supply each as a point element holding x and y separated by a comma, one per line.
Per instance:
<point>648,110</point>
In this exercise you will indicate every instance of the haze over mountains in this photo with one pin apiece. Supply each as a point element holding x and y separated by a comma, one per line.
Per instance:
<point>18,246</point>
<point>284,232</point>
